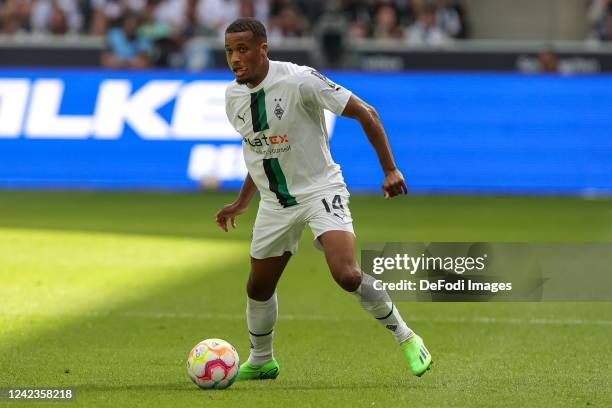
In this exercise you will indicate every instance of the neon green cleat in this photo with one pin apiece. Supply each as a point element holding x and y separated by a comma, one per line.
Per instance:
<point>268,371</point>
<point>417,355</point>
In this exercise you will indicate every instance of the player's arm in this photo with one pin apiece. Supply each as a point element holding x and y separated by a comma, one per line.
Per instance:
<point>371,124</point>
<point>240,205</point>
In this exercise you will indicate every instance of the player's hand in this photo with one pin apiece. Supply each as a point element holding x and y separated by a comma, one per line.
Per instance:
<point>394,184</point>
<point>229,212</point>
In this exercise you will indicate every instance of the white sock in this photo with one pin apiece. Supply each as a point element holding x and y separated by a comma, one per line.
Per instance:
<point>380,306</point>
<point>261,316</point>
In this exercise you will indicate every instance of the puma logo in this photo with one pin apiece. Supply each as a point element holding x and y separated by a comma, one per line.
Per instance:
<point>241,118</point>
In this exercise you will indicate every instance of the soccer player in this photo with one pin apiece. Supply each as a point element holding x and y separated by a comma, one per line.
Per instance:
<point>277,107</point>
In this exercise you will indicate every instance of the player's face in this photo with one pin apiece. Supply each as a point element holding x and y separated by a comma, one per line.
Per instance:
<point>245,56</point>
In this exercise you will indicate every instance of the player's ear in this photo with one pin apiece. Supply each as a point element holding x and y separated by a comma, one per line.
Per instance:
<point>264,49</point>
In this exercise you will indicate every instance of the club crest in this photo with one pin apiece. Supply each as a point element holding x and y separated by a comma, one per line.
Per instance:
<point>278,109</point>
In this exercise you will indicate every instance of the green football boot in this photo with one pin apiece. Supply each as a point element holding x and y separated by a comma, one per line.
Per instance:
<point>268,371</point>
<point>417,355</point>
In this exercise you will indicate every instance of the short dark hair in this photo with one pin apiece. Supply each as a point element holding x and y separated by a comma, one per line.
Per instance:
<point>248,24</point>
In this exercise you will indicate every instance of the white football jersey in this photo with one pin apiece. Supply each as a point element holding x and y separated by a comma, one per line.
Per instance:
<point>284,137</point>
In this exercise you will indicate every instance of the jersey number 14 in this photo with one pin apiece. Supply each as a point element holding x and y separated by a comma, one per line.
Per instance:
<point>336,204</point>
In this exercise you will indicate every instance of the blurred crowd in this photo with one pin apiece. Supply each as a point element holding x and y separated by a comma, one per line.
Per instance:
<point>600,19</point>
<point>427,22</point>
<point>414,19</point>
<point>138,31</point>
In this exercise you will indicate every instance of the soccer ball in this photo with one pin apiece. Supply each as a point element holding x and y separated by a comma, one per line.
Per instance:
<point>213,363</point>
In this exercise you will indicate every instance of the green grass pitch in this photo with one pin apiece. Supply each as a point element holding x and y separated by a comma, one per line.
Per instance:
<point>107,293</point>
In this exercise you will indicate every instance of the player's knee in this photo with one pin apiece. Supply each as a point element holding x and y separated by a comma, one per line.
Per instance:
<point>259,290</point>
<point>348,277</point>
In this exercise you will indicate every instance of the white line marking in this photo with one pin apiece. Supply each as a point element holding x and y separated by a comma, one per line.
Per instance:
<point>361,316</point>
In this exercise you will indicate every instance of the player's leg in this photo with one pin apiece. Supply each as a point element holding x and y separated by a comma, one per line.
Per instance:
<point>339,248</point>
<point>331,224</point>
<point>275,238</point>
<point>262,311</point>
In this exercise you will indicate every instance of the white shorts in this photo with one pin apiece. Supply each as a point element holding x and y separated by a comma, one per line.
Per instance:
<point>277,231</point>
